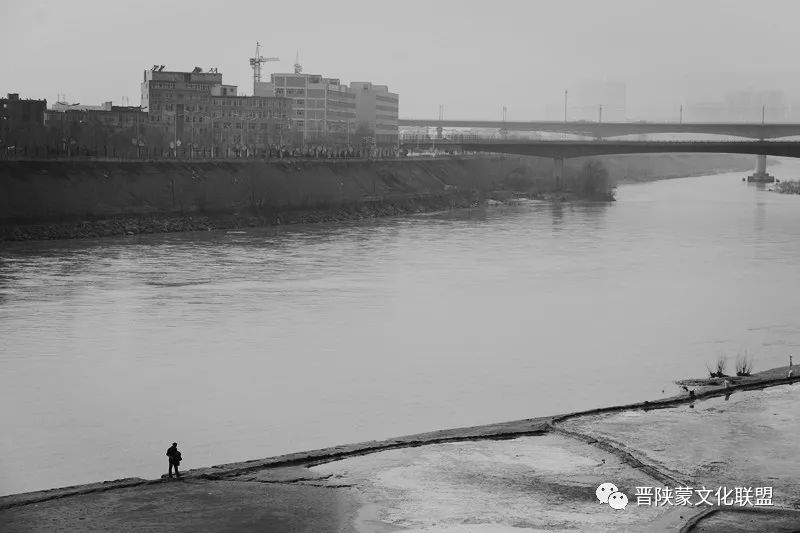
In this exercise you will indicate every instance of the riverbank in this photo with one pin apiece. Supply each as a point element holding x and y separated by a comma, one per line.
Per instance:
<point>788,187</point>
<point>145,224</point>
<point>214,495</point>
<point>64,200</point>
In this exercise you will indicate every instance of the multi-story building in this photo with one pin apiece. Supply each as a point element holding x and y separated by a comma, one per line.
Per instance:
<point>21,123</point>
<point>249,124</point>
<point>194,112</point>
<point>103,130</point>
<point>376,112</point>
<point>323,110</point>
<point>114,118</point>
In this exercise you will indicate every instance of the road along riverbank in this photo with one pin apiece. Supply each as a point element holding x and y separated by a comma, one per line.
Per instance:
<point>609,438</point>
<point>80,199</point>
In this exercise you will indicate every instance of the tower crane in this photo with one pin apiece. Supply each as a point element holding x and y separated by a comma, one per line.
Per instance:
<point>255,62</point>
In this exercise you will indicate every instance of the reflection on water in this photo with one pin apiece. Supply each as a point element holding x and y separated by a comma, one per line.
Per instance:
<point>248,344</point>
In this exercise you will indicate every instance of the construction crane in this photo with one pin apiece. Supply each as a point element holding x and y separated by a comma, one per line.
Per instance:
<point>255,62</point>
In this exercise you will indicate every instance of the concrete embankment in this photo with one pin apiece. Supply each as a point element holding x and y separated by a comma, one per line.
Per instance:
<point>70,199</point>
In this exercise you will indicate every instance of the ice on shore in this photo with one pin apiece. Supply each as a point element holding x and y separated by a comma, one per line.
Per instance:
<point>520,485</point>
<point>748,441</point>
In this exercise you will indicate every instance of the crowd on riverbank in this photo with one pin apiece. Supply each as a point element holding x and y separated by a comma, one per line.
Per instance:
<point>312,151</point>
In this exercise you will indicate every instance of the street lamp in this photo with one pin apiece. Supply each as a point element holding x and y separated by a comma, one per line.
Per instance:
<point>176,143</point>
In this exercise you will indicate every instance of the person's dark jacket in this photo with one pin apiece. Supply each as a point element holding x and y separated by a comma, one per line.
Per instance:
<point>174,455</point>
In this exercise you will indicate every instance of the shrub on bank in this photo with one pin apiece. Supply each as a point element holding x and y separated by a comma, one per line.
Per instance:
<point>719,368</point>
<point>592,181</point>
<point>744,364</point>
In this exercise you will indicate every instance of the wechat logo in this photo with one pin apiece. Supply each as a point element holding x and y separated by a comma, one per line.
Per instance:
<point>610,494</point>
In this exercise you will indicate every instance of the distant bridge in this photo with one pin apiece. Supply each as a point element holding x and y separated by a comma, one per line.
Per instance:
<point>616,129</point>
<point>565,149</point>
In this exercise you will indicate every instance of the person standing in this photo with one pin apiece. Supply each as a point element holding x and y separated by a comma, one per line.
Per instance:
<point>174,459</point>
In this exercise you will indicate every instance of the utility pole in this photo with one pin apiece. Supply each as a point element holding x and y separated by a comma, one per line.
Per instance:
<point>600,114</point>
<point>565,105</point>
<point>138,150</point>
<point>680,119</point>
<point>211,118</point>
<point>305,105</point>
<point>763,109</point>
<point>441,115</point>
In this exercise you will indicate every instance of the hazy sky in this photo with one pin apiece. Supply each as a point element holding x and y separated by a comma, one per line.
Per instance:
<point>471,56</point>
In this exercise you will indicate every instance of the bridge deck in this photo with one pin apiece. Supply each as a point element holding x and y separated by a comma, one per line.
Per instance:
<point>751,130</point>
<point>578,148</point>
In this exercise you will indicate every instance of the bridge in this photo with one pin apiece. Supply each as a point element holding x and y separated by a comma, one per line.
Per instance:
<point>616,129</point>
<point>565,149</point>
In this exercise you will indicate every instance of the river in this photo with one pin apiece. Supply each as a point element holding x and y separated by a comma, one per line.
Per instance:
<point>241,345</point>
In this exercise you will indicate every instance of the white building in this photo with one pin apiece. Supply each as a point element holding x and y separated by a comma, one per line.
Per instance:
<point>376,112</point>
<point>323,109</point>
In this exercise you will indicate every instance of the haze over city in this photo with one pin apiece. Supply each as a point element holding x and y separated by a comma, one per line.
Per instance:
<point>471,57</point>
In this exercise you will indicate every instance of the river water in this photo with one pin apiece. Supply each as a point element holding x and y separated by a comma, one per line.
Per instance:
<point>240,345</point>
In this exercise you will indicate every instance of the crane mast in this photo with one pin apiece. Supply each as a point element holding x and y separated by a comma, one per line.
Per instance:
<point>255,63</point>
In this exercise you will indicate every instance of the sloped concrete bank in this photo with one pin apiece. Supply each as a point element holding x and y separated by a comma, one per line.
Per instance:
<point>503,430</point>
<point>78,199</point>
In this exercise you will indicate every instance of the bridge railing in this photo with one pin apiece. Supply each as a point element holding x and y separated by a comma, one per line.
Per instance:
<point>448,139</point>
<point>457,139</point>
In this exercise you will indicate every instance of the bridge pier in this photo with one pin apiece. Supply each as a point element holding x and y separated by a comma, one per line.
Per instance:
<point>558,171</point>
<point>760,175</point>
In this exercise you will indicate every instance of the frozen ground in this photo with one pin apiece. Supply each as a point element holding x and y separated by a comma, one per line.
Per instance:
<point>750,440</point>
<point>520,485</point>
<point>529,483</point>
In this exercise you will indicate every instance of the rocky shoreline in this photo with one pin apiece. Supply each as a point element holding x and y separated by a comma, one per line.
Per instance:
<point>371,208</point>
<point>167,223</point>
